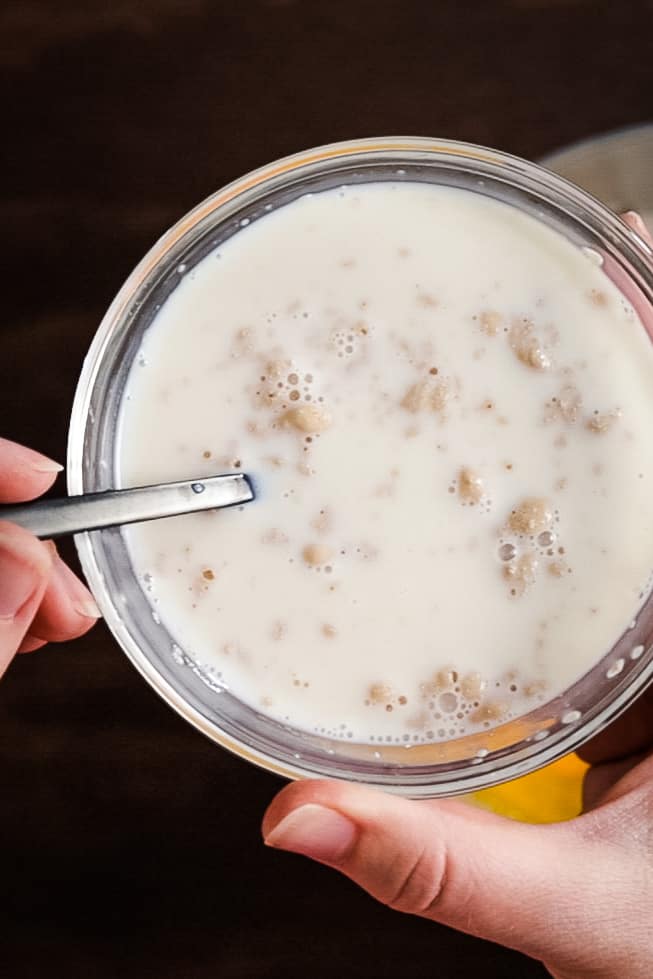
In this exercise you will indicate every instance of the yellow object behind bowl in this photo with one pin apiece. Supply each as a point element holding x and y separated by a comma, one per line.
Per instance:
<point>549,795</point>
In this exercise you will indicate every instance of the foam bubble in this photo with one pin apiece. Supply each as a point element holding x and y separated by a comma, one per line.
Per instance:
<point>615,669</point>
<point>571,716</point>
<point>507,552</point>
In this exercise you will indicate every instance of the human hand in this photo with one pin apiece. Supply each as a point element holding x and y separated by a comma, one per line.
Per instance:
<point>41,600</point>
<point>577,895</point>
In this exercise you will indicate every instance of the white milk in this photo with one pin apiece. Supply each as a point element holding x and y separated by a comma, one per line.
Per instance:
<point>447,410</point>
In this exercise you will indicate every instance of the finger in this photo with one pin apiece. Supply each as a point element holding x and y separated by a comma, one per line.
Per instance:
<point>24,473</point>
<point>636,222</point>
<point>67,609</point>
<point>25,565</point>
<point>539,889</point>
<point>30,644</point>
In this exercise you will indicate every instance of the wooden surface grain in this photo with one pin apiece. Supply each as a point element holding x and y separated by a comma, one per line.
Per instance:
<point>129,844</point>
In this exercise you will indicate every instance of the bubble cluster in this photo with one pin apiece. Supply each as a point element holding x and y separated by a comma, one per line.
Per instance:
<point>528,543</point>
<point>453,704</point>
<point>350,341</point>
<point>282,385</point>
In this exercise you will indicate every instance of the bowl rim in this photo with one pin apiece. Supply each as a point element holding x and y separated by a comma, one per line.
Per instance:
<point>470,778</point>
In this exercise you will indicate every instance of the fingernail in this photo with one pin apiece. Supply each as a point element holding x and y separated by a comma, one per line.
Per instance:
<point>316,832</point>
<point>45,465</point>
<point>19,582</point>
<point>635,218</point>
<point>88,609</point>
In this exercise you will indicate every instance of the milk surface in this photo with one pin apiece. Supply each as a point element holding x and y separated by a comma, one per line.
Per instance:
<point>447,411</point>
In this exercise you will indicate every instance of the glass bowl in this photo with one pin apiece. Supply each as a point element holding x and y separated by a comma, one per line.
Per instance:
<point>463,764</point>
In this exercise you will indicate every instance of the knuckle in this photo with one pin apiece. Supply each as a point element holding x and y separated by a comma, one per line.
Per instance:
<point>419,888</point>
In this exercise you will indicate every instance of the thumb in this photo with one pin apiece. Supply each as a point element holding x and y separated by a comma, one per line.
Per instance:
<point>25,565</point>
<point>538,889</point>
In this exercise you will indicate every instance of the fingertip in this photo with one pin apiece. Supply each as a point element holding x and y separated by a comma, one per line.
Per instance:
<point>30,644</point>
<point>636,222</point>
<point>87,608</point>
<point>633,218</point>
<point>24,473</point>
<point>322,792</point>
<point>67,610</point>
<point>13,453</point>
<point>280,806</point>
<point>81,600</point>
<point>315,831</point>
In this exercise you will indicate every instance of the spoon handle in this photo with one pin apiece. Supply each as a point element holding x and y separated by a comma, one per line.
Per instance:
<point>94,511</point>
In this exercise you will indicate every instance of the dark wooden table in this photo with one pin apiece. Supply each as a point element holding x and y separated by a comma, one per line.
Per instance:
<point>129,844</point>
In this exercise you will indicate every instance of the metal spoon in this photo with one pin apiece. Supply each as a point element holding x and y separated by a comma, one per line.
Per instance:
<point>94,511</point>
